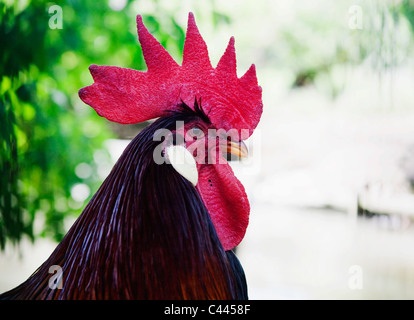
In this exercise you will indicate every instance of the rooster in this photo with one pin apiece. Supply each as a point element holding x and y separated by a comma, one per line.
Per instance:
<point>158,228</point>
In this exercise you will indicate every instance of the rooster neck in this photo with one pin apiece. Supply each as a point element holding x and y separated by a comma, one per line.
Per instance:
<point>145,234</point>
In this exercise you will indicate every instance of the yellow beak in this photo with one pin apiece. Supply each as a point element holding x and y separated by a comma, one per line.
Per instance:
<point>239,149</point>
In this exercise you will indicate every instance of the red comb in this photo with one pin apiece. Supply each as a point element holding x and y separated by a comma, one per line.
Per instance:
<point>130,96</point>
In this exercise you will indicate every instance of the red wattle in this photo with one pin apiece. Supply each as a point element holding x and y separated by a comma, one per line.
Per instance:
<point>226,200</point>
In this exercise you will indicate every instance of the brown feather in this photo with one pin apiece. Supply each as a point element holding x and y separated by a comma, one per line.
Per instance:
<point>145,234</point>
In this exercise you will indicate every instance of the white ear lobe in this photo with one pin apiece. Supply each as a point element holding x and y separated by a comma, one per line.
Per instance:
<point>183,162</point>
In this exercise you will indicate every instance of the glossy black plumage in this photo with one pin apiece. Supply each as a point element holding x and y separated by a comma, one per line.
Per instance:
<point>145,234</point>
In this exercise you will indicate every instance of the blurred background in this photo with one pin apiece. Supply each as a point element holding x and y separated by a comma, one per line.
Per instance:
<point>331,174</point>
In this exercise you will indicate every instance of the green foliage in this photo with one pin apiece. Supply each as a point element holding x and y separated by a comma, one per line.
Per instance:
<point>319,45</point>
<point>407,9</point>
<point>47,135</point>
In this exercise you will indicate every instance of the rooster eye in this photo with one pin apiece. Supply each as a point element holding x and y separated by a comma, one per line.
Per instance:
<point>196,132</point>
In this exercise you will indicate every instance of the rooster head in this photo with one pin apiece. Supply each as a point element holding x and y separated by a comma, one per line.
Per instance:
<point>227,109</point>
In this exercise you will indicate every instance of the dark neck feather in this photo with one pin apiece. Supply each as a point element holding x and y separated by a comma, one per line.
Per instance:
<point>145,234</point>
